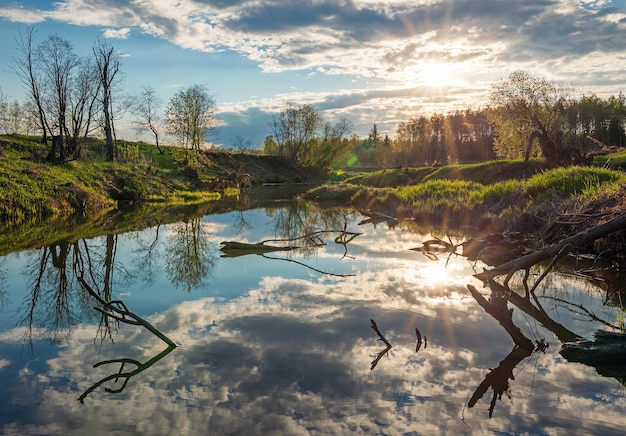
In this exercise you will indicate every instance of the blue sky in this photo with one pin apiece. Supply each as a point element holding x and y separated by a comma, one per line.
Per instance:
<point>371,61</point>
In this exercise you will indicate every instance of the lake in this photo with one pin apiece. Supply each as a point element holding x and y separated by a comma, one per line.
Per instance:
<point>287,341</point>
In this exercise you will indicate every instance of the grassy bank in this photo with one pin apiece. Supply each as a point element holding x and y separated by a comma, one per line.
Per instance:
<point>461,196</point>
<point>33,189</point>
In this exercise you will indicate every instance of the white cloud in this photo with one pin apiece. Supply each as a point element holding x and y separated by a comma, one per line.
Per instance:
<point>123,33</point>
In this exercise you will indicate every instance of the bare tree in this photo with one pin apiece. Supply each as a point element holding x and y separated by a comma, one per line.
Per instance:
<point>4,112</point>
<point>241,144</point>
<point>25,69</point>
<point>108,65</point>
<point>294,129</point>
<point>146,107</point>
<point>304,137</point>
<point>82,102</point>
<point>57,61</point>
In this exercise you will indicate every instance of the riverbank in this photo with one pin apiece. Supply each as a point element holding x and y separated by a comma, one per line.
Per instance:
<point>33,189</point>
<point>485,198</point>
<point>539,206</point>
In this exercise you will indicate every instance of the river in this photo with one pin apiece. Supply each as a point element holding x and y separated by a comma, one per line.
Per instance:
<point>283,342</point>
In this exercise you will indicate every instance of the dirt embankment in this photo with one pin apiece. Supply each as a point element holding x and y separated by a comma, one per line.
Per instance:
<point>260,168</point>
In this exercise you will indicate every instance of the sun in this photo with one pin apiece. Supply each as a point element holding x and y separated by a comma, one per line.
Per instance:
<point>435,74</point>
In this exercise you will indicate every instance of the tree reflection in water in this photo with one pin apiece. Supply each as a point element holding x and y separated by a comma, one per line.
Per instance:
<point>190,255</point>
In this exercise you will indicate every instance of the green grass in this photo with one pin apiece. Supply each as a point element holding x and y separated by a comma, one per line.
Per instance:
<point>613,161</point>
<point>31,188</point>
<point>467,201</point>
<point>483,172</point>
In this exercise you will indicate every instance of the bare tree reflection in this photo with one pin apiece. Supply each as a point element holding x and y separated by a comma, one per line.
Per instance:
<point>147,256</point>
<point>299,218</point>
<point>190,255</point>
<point>56,302</point>
<point>3,283</point>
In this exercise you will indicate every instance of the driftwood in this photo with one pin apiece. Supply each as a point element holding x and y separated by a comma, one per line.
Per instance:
<point>236,249</point>
<point>377,218</point>
<point>556,250</point>
<point>607,348</point>
<point>382,338</point>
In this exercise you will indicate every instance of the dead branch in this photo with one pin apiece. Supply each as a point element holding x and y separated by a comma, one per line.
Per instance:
<point>419,340</point>
<point>559,248</point>
<point>308,266</point>
<point>126,376</point>
<point>119,311</point>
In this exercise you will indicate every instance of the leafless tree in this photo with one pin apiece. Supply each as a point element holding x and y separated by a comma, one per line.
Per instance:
<point>57,62</point>
<point>4,112</point>
<point>25,69</point>
<point>146,107</point>
<point>83,98</point>
<point>108,66</point>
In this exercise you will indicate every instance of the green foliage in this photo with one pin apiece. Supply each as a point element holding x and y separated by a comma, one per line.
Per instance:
<point>131,185</point>
<point>568,182</point>
<point>471,202</point>
<point>191,116</point>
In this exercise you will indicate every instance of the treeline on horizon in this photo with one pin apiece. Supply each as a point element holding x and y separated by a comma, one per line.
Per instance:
<point>88,101</point>
<point>470,135</point>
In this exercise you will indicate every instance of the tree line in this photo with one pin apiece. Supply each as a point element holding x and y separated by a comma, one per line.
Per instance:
<point>72,97</point>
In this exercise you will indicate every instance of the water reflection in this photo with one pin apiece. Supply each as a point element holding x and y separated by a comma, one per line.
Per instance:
<point>272,347</point>
<point>118,311</point>
<point>190,256</point>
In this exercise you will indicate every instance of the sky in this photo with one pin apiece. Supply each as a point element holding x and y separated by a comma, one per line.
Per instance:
<point>371,61</point>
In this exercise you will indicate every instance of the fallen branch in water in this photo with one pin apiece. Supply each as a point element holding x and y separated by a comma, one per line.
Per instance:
<point>419,340</point>
<point>497,307</point>
<point>558,249</point>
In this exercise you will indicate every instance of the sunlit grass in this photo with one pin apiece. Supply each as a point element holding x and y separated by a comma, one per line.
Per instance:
<point>31,188</point>
<point>469,200</point>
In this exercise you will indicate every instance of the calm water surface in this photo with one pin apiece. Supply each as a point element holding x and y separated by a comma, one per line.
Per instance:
<point>281,342</point>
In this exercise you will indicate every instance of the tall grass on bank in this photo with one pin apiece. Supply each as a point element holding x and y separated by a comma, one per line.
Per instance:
<point>463,200</point>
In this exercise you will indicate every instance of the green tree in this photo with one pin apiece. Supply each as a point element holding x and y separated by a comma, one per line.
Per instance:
<point>191,116</point>
<point>270,146</point>
<point>531,108</point>
<point>304,137</point>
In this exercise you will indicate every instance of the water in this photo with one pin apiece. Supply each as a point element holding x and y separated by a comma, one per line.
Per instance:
<point>282,343</point>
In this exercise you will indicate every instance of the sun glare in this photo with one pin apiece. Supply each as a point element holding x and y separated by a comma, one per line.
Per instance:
<point>433,274</point>
<point>434,74</point>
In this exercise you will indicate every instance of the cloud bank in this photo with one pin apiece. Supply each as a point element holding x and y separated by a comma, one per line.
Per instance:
<point>411,48</point>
